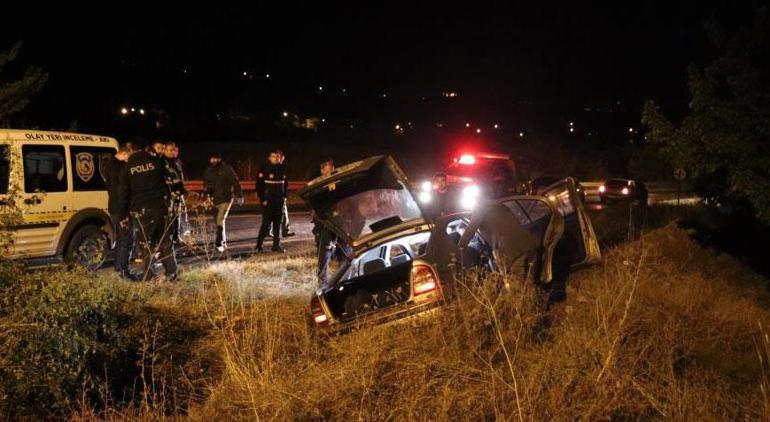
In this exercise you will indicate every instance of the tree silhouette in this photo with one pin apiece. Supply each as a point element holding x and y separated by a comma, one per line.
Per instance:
<point>16,94</point>
<point>724,139</point>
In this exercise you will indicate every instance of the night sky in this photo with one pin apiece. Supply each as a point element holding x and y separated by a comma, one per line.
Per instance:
<point>187,66</point>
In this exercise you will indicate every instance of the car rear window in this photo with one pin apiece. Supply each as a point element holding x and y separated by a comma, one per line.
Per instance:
<point>5,169</point>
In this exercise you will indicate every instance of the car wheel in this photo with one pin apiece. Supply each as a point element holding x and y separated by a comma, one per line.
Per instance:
<point>88,248</point>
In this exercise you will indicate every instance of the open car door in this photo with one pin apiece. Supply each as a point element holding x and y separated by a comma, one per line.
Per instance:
<point>577,225</point>
<point>538,216</point>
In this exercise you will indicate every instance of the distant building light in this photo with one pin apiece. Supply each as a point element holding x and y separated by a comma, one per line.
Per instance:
<point>439,124</point>
<point>449,94</point>
<point>384,95</point>
<point>245,73</point>
<point>398,127</point>
<point>320,88</point>
<point>521,134</point>
<point>323,120</point>
<point>572,123</point>
<point>630,130</point>
<point>267,76</point>
<point>497,126</point>
<point>571,130</point>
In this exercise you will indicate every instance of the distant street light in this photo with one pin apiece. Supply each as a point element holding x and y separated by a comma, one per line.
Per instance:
<point>267,76</point>
<point>521,134</point>
<point>478,130</point>
<point>124,111</point>
<point>141,111</point>
<point>496,126</point>
<point>571,130</point>
<point>467,125</point>
<point>285,114</point>
<point>133,110</point>
<point>398,127</point>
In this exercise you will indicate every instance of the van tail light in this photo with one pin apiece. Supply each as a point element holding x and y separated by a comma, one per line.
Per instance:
<point>424,280</point>
<point>319,316</point>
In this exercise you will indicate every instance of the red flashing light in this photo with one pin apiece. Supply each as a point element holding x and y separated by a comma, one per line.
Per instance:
<point>467,159</point>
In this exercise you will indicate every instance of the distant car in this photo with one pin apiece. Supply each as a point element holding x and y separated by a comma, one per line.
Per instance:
<point>540,184</point>
<point>622,190</point>
<point>472,177</point>
<point>403,265</point>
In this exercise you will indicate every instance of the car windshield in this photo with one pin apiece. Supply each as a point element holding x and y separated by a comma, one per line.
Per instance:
<point>371,211</point>
<point>4,169</point>
<point>617,183</point>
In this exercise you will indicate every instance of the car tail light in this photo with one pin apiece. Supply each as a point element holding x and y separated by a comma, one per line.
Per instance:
<point>423,279</point>
<point>602,188</point>
<point>624,191</point>
<point>467,159</point>
<point>319,316</point>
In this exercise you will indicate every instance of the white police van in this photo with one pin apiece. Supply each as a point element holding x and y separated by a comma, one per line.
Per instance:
<point>56,180</point>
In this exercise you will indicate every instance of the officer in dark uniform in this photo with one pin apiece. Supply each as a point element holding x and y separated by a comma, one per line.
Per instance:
<point>272,188</point>
<point>144,199</point>
<point>124,235</point>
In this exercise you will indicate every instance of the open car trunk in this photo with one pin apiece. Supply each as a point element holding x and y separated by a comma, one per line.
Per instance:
<point>363,201</point>
<point>378,288</point>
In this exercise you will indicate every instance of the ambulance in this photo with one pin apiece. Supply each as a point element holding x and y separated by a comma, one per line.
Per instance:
<point>53,198</point>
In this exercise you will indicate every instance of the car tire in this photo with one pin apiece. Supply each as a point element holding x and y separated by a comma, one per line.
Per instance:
<point>88,248</point>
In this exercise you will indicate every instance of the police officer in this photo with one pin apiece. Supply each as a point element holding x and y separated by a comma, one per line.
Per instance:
<point>124,235</point>
<point>222,185</point>
<point>285,229</point>
<point>175,183</point>
<point>144,197</point>
<point>272,188</point>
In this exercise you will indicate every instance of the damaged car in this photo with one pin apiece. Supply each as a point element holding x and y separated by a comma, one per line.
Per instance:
<point>404,265</point>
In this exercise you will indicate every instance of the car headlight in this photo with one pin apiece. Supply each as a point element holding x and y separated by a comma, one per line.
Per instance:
<point>426,186</point>
<point>470,197</point>
<point>624,191</point>
<point>424,197</point>
<point>602,188</point>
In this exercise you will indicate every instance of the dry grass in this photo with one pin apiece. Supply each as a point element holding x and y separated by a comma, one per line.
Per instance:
<point>662,329</point>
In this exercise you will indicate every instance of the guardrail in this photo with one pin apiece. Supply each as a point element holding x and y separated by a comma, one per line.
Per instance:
<point>247,186</point>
